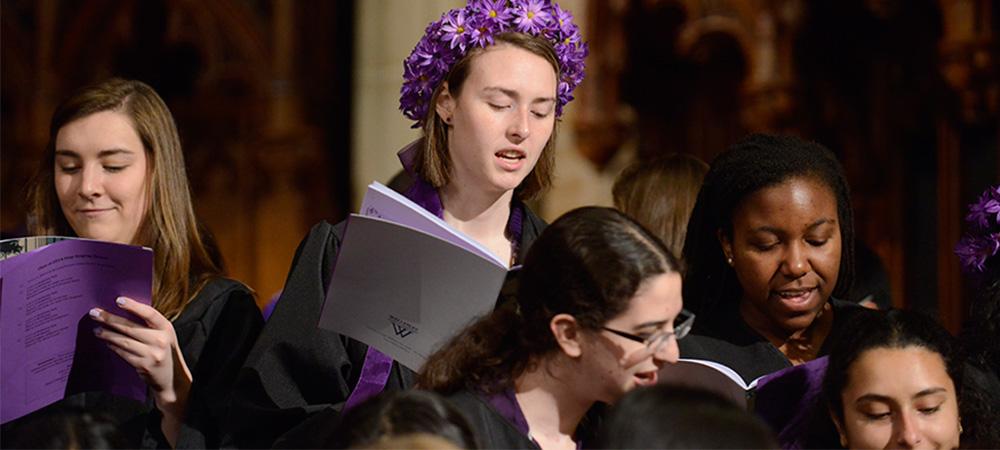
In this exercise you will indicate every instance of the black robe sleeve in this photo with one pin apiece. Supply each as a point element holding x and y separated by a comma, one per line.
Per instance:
<point>216,332</point>
<point>297,370</point>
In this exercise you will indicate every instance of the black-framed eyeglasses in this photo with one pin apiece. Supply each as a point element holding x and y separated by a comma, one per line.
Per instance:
<point>656,342</point>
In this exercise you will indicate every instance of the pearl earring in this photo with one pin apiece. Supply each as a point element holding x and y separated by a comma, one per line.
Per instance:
<point>729,260</point>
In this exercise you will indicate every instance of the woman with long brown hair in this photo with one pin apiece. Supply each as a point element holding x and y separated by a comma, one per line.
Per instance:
<point>113,170</point>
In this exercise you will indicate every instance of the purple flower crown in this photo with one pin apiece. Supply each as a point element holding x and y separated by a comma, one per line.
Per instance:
<point>983,240</point>
<point>459,30</point>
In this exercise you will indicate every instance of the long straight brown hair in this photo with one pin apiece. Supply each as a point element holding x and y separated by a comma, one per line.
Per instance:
<point>182,262</point>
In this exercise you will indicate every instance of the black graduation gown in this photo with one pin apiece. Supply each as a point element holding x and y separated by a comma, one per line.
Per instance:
<point>726,338</point>
<point>216,330</point>
<point>491,428</point>
<point>297,369</point>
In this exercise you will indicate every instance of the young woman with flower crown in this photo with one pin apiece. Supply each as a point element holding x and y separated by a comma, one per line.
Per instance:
<point>486,83</point>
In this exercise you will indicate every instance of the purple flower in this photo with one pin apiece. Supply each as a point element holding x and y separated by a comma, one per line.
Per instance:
<point>456,29</point>
<point>993,205</point>
<point>532,17</point>
<point>564,19</point>
<point>569,56</point>
<point>973,252</point>
<point>980,212</point>
<point>481,37</point>
<point>494,13</point>
<point>983,242</point>
<point>429,53</point>
<point>418,80</point>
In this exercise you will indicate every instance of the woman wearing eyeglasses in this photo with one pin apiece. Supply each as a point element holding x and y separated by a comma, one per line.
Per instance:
<point>597,313</point>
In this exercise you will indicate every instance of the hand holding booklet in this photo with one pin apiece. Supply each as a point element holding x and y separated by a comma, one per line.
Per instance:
<point>47,346</point>
<point>405,281</point>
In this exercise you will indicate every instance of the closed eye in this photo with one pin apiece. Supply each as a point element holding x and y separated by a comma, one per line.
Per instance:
<point>816,243</point>
<point>878,416</point>
<point>114,169</point>
<point>930,410</point>
<point>69,169</point>
<point>499,107</point>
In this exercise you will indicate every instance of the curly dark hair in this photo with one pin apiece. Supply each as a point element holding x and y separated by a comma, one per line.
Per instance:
<point>756,162</point>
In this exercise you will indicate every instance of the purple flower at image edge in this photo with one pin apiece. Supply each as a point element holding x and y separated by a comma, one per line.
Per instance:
<point>973,252</point>
<point>980,212</point>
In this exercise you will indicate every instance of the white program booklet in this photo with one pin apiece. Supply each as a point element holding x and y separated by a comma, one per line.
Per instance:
<point>709,375</point>
<point>405,281</point>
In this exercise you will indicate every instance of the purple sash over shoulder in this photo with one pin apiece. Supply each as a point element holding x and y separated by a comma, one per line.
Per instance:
<point>377,366</point>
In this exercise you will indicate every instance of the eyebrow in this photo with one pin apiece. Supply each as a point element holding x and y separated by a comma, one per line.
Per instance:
<point>887,399</point>
<point>811,226</point>
<point>100,154</point>
<point>514,94</point>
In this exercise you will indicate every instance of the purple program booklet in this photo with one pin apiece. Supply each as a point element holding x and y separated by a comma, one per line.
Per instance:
<point>47,346</point>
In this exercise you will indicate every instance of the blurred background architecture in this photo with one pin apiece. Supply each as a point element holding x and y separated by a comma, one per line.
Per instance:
<point>288,109</point>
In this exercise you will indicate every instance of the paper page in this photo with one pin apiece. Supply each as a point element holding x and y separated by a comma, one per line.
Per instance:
<point>707,375</point>
<point>405,292</point>
<point>46,297</point>
<point>386,204</point>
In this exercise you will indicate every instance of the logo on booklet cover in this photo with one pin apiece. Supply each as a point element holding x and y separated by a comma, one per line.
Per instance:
<point>401,327</point>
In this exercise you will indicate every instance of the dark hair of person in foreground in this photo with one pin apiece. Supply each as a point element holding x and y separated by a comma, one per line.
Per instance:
<point>666,416</point>
<point>392,414</point>
<point>70,429</point>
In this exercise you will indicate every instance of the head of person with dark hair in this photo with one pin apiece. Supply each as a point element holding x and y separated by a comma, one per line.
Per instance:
<point>668,416</point>
<point>598,312</point>
<point>894,381</point>
<point>393,414</point>
<point>660,195</point>
<point>69,429</point>
<point>773,233</point>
